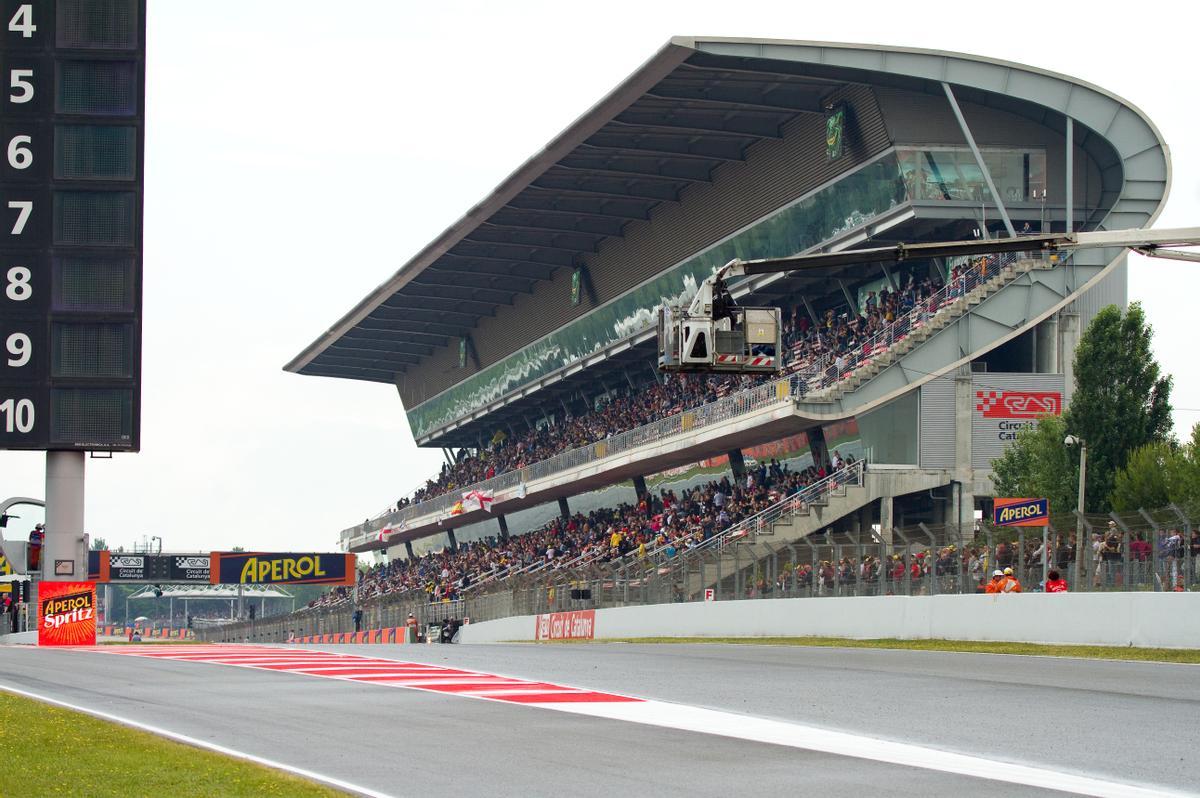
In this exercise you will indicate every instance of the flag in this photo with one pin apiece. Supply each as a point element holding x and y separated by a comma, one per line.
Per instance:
<point>390,529</point>
<point>521,491</point>
<point>457,509</point>
<point>478,500</point>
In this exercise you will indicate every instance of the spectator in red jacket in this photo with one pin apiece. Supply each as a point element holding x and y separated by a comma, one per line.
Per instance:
<point>1055,583</point>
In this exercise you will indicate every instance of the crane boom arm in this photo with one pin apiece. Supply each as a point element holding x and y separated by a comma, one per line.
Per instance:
<point>1155,243</point>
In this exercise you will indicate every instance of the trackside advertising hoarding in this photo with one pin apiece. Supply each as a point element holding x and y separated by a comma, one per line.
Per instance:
<point>67,614</point>
<point>574,625</point>
<point>1021,512</point>
<point>275,568</point>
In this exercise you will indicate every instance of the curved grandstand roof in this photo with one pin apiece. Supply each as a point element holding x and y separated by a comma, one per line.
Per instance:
<point>698,103</point>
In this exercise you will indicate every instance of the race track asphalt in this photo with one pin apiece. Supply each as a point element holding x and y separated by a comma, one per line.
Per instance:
<point>1129,722</point>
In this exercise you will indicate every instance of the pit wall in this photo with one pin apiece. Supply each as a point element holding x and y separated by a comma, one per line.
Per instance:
<point>1158,620</point>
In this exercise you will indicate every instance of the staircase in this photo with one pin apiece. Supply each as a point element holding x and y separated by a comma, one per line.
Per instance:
<point>785,528</point>
<point>974,293</point>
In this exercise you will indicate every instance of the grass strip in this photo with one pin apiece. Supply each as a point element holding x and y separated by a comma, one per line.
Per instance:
<point>50,751</point>
<point>1188,656</point>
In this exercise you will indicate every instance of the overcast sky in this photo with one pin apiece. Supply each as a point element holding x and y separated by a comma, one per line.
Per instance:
<point>298,152</point>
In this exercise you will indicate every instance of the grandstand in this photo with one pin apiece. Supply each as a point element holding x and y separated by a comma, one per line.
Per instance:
<point>521,339</point>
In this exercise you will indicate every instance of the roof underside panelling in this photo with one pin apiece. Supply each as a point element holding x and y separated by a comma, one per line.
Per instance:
<point>689,119</point>
<point>674,136</point>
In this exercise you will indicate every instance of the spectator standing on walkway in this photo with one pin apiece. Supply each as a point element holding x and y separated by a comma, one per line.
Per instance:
<point>35,547</point>
<point>1110,554</point>
<point>358,616</point>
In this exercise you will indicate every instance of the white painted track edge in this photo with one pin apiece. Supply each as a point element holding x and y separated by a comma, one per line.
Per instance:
<point>195,743</point>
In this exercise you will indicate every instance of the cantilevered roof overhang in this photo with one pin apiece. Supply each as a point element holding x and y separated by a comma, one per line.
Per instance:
<point>698,103</point>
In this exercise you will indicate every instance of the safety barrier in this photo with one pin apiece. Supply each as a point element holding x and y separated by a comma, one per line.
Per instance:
<point>1157,620</point>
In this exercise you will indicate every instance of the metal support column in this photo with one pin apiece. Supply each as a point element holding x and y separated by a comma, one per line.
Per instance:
<point>64,555</point>
<point>1070,174</point>
<point>639,486</point>
<point>891,278</point>
<point>987,176</point>
<point>812,314</point>
<point>737,464</point>
<point>849,299</point>
<point>817,447</point>
<point>408,549</point>
<point>503,522</point>
<point>564,509</point>
<point>453,541</point>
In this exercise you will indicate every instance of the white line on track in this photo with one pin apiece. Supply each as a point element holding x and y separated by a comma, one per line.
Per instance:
<point>192,741</point>
<point>811,738</point>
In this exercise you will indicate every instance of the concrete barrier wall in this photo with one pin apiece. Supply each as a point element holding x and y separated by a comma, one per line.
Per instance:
<point>1167,620</point>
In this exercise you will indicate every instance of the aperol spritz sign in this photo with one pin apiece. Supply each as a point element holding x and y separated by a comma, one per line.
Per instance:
<point>67,614</point>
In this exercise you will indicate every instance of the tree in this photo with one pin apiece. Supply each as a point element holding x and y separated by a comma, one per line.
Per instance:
<point>1121,401</point>
<point>1145,481</point>
<point>1186,480</point>
<point>1038,466</point>
<point>1158,474</point>
<point>99,544</point>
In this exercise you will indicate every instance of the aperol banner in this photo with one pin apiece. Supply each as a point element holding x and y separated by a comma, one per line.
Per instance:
<point>263,568</point>
<point>66,613</point>
<point>1021,512</point>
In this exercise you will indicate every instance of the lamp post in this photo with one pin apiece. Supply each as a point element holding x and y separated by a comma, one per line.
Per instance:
<point>1080,549</point>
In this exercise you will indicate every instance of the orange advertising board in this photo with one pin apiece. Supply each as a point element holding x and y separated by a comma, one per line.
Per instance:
<point>66,614</point>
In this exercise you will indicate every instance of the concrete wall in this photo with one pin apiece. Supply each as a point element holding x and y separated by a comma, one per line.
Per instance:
<point>1166,620</point>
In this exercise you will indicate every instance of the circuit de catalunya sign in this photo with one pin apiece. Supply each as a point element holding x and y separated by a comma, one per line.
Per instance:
<point>574,625</point>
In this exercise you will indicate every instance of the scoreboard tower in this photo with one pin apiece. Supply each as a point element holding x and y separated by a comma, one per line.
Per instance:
<point>72,111</point>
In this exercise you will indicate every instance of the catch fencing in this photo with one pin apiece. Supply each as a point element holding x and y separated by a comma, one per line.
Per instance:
<point>1155,550</point>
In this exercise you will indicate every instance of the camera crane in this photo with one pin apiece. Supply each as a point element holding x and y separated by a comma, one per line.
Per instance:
<point>714,334</point>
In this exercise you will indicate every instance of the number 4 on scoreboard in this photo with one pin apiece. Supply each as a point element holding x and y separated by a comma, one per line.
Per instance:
<point>22,21</point>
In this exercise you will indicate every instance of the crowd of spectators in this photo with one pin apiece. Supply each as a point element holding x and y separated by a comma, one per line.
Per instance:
<point>1118,561</point>
<point>668,521</point>
<point>832,345</point>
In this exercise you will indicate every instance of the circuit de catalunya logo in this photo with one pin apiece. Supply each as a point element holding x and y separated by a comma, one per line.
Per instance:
<point>1018,404</point>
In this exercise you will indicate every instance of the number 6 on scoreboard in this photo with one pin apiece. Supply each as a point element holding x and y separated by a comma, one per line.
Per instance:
<point>24,208</point>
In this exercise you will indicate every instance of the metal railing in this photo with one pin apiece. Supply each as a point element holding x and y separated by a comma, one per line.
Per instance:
<point>796,503</point>
<point>826,371</point>
<point>739,404</point>
<point>831,368</point>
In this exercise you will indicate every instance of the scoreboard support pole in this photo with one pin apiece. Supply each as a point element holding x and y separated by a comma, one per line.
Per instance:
<point>64,540</point>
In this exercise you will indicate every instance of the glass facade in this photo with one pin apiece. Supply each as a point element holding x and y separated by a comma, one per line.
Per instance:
<point>950,173</point>
<point>851,201</point>
<point>910,172</point>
